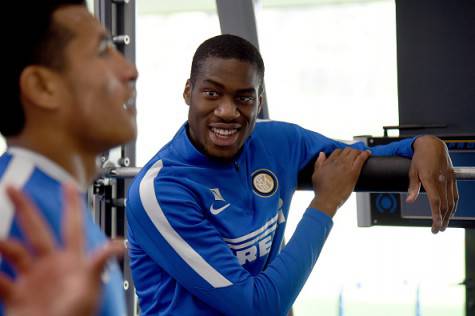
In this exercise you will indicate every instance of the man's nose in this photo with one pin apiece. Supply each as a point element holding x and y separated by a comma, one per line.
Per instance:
<point>227,109</point>
<point>128,70</point>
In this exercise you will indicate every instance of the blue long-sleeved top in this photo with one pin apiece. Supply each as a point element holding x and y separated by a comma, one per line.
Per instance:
<point>41,179</point>
<point>205,236</point>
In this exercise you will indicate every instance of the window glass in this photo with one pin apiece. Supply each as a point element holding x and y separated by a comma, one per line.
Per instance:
<point>332,68</point>
<point>167,36</point>
<point>3,146</point>
<point>90,5</point>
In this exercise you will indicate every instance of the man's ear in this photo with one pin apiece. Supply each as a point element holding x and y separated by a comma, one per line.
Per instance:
<point>187,92</point>
<point>260,104</point>
<point>39,86</point>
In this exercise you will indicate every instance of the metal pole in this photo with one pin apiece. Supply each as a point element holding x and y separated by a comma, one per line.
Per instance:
<point>237,17</point>
<point>118,16</point>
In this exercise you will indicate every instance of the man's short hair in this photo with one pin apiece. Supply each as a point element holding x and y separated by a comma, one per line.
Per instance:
<point>32,38</point>
<point>227,46</point>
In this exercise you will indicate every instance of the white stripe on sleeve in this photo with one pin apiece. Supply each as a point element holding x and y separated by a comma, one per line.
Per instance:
<point>182,248</point>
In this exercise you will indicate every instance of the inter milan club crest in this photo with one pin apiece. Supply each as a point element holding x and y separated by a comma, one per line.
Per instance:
<point>264,182</point>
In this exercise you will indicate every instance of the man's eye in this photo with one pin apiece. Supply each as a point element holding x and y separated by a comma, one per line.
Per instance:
<point>106,46</point>
<point>211,94</point>
<point>246,99</point>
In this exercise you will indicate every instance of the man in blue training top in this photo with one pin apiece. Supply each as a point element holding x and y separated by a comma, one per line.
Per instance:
<point>207,213</point>
<point>63,104</point>
<point>52,281</point>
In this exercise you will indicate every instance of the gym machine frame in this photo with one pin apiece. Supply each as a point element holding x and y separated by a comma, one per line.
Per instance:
<point>108,193</point>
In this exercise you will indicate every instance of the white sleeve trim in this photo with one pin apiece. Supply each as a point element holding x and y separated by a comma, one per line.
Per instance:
<point>182,248</point>
<point>17,174</point>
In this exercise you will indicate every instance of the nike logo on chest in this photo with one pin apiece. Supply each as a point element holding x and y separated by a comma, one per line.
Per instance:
<point>216,211</point>
<point>217,197</point>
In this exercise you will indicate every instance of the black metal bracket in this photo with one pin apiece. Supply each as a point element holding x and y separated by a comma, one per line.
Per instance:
<point>411,127</point>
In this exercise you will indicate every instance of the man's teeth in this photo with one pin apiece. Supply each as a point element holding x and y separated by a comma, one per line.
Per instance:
<point>223,132</point>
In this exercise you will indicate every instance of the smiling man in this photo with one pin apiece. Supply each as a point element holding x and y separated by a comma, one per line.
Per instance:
<point>221,132</point>
<point>63,104</point>
<point>207,214</point>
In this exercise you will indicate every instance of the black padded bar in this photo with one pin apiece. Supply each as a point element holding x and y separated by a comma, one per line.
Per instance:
<point>379,174</point>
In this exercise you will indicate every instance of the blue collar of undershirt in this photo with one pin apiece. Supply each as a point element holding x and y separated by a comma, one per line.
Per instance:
<point>185,148</point>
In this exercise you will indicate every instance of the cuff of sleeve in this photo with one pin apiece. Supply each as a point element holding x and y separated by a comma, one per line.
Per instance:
<point>413,140</point>
<point>408,150</point>
<point>317,215</point>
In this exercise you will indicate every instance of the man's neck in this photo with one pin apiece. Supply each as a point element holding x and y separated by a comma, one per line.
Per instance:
<point>79,164</point>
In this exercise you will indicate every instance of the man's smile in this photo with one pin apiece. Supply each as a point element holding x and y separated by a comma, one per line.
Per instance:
<point>223,136</point>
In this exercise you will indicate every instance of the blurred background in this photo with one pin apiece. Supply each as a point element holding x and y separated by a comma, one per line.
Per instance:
<point>331,66</point>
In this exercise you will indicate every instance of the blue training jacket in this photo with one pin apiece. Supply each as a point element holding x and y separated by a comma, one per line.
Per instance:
<point>205,236</point>
<point>41,179</point>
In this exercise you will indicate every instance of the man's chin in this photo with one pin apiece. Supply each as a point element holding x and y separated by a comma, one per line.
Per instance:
<point>224,154</point>
<point>129,134</point>
<point>125,136</point>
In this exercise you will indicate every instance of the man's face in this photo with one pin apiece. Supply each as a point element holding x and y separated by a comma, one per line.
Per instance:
<point>224,103</point>
<point>98,81</point>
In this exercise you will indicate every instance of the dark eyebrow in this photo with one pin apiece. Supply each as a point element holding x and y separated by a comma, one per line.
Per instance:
<point>103,36</point>
<point>248,90</point>
<point>215,83</point>
<point>221,86</point>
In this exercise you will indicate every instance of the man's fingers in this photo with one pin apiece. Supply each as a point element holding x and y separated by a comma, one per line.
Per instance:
<point>335,154</point>
<point>450,194</point>
<point>452,199</point>
<point>435,201</point>
<point>455,192</point>
<point>443,193</point>
<point>456,196</point>
<point>350,153</point>
<point>32,224</point>
<point>73,221</point>
<point>6,288</point>
<point>360,159</point>
<point>16,255</point>
<point>414,186</point>
<point>450,203</point>
<point>114,248</point>
<point>321,159</point>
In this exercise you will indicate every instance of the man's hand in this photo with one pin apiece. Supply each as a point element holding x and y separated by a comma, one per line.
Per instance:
<point>431,166</point>
<point>52,281</point>
<point>335,177</point>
